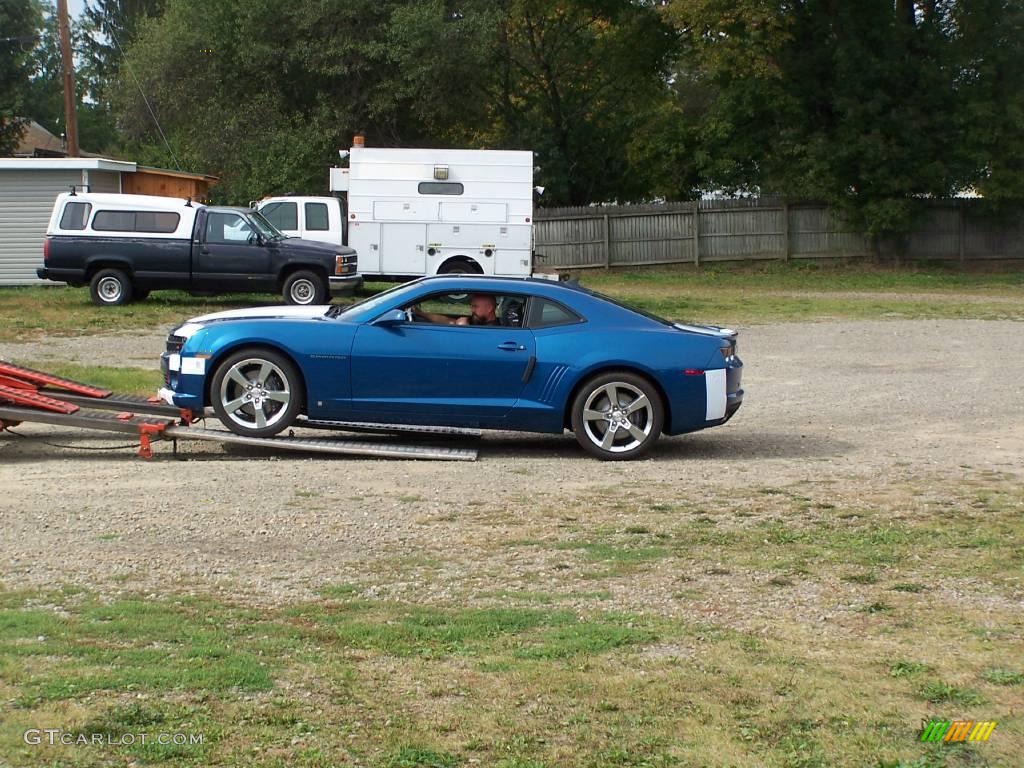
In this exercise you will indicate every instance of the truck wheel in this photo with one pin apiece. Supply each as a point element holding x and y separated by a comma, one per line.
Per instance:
<point>460,267</point>
<point>256,393</point>
<point>304,287</point>
<point>110,288</point>
<point>617,416</point>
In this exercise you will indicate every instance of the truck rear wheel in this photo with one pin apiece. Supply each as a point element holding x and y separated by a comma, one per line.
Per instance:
<point>304,287</point>
<point>110,288</point>
<point>460,267</point>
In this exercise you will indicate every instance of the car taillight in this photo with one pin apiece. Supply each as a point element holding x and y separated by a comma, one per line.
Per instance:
<point>46,250</point>
<point>728,351</point>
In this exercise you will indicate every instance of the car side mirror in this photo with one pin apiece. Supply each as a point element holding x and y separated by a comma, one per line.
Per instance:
<point>391,317</point>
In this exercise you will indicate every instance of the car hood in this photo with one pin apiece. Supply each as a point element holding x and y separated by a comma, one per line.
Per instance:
<point>189,327</point>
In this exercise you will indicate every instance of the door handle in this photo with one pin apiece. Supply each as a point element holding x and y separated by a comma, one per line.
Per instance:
<point>204,251</point>
<point>511,346</point>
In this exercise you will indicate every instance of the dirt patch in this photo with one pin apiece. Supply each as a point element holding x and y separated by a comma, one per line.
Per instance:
<point>842,416</point>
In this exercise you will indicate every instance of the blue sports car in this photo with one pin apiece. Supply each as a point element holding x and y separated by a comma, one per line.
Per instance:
<point>529,355</point>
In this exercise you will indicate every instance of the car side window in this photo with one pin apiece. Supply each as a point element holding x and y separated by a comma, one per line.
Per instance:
<point>283,215</point>
<point>482,310</point>
<point>227,228</point>
<point>545,313</point>
<point>75,215</point>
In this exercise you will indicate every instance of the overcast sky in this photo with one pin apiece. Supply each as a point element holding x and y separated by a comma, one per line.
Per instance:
<point>75,7</point>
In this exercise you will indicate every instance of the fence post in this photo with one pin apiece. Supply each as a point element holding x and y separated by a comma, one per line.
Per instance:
<point>607,244</point>
<point>785,231</point>
<point>696,233</point>
<point>961,234</point>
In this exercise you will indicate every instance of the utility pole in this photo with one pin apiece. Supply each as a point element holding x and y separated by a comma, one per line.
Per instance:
<point>68,65</point>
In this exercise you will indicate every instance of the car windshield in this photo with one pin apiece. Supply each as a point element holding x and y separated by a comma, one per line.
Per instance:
<point>264,227</point>
<point>369,304</point>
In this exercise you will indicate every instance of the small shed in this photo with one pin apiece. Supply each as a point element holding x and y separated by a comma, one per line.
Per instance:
<point>29,186</point>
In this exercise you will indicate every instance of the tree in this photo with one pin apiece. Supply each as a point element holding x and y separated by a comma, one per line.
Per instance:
<point>868,106</point>
<point>109,27</point>
<point>579,81</point>
<point>988,41</point>
<point>44,97</point>
<point>264,94</point>
<point>20,21</point>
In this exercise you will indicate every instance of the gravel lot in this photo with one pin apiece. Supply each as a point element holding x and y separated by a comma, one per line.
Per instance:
<point>857,412</point>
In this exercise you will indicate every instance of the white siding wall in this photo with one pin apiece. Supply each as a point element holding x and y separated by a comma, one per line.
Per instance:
<point>26,200</point>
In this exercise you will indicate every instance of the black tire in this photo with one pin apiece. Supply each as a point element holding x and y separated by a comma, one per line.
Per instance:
<point>140,295</point>
<point>110,288</point>
<point>632,434</point>
<point>256,416</point>
<point>304,288</point>
<point>460,267</point>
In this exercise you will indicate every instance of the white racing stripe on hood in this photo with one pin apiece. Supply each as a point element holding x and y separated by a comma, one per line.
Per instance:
<point>197,323</point>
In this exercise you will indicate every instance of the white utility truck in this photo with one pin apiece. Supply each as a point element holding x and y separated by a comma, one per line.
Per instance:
<point>413,212</point>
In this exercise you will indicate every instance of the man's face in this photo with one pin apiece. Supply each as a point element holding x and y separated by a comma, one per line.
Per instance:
<point>482,307</point>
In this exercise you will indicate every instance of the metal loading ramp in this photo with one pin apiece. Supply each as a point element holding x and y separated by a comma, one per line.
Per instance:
<point>327,445</point>
<point>30,396</point>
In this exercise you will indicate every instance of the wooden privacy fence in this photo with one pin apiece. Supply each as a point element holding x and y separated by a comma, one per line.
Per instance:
<point>741,230</point>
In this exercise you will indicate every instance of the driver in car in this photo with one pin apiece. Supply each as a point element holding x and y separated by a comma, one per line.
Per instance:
<point>483,311</point>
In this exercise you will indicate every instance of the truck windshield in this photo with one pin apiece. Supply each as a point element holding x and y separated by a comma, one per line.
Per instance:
<point>264,227</point>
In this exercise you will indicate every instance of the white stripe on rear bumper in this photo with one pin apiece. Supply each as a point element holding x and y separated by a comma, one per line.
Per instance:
<point>715,383</point>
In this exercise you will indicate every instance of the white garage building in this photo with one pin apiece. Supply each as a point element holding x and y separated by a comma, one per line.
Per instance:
<point>28,187</point>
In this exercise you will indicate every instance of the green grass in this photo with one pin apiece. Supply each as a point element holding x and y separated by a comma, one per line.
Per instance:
<point>733,294</point>
<point>801,624</point>
<point>32,312</point>
<point>137,381</point>
<point>794,291</point>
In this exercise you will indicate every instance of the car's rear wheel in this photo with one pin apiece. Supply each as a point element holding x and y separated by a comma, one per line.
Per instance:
<point>304,287</point>
<point>617,416</point>
<point>110,288</point>
<point>256,393</point>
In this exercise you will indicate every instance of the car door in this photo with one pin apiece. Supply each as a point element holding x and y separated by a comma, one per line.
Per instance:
<point>228,255</point>
<point>424,372</point>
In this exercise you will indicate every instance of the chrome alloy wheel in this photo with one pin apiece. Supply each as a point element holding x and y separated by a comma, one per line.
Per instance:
<point>618,417</point>
<point>255,393</point>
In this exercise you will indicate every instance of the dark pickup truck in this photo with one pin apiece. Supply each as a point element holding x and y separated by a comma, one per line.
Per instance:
<point>124,246</point>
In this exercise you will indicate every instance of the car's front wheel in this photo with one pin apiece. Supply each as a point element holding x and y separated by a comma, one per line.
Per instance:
<point>256,393</point>
<point>617,416</point>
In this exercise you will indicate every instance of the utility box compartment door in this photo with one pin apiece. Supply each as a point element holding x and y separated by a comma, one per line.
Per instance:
<point>471,213</point>
<point>403,249</point>
<point>365,238</point>
<point>405,210</point>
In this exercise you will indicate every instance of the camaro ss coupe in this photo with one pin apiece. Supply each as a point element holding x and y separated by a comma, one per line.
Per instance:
<point>527,355</point>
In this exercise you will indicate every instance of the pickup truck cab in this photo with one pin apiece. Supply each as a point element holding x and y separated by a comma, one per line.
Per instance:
<point>124,246</point>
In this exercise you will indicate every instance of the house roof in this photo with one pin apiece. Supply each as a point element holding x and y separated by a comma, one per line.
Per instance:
<point>65,164</point>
